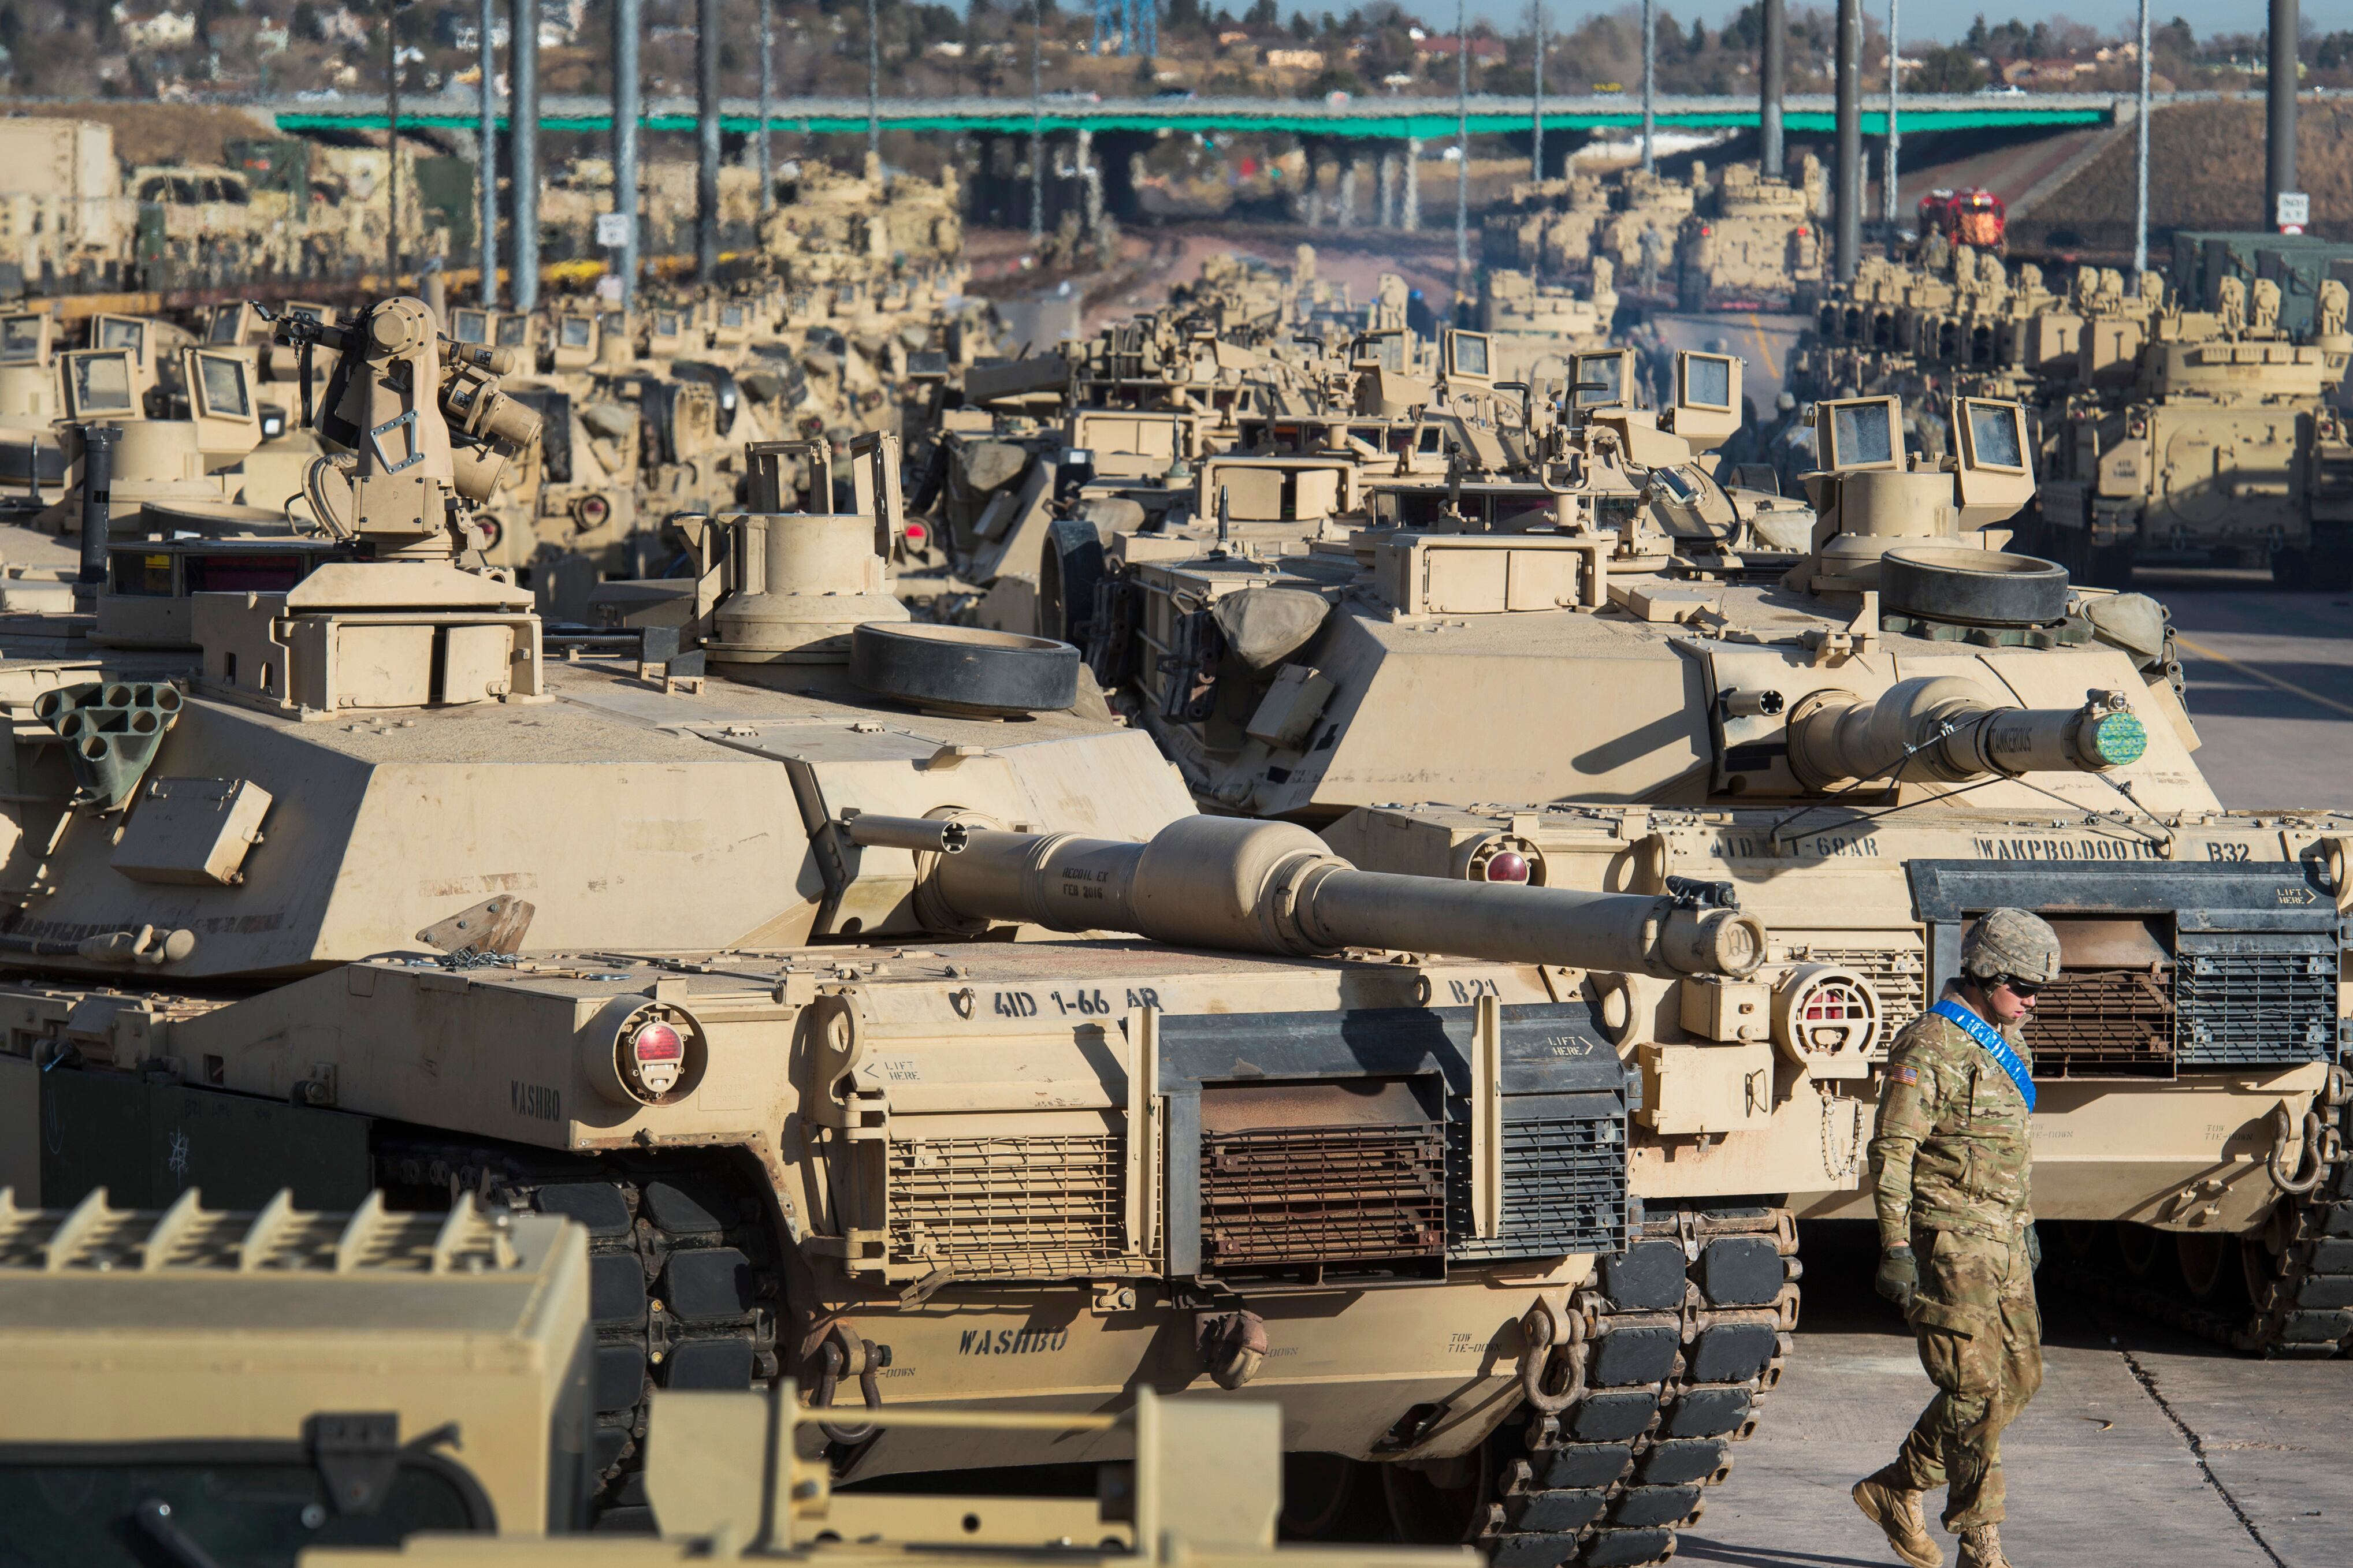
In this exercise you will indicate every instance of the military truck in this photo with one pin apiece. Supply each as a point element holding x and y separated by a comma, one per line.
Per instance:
<point>766,1042</point>
<point>200,1384</point>
<point>1775,699</point>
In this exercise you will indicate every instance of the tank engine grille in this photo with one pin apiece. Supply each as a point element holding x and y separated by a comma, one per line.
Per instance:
<point>2108,1021</point>
<point>1026,1207</point>
<point>2248,998</point>
<point>1322,1195</point>
<point>1564,1181</point>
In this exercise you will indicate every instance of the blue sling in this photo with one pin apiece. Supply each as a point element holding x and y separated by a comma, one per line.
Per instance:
<point>1989,1037</point>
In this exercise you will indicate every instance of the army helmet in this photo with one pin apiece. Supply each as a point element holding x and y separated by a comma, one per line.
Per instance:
<point>2012,944</point>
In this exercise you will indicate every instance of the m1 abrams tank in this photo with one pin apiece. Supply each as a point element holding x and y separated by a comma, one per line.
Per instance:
<point>714,975</point>
<point>197,1385</point>
<point>1876,726</point>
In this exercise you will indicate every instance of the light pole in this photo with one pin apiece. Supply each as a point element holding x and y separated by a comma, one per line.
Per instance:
<point>2140,160</point>
<point>1036,124</point>
<point>487,136</point>
<point>706,166</point>
<point>1462,151</point>
<point>628,28</point>
<point>1535,156</point>
<point>1650,82</point>
<point>392,9</point>
<point>523,112</point>
<point>873,85</point>
<point>1895,136</point>
<point>768,101</point>
<point>1850,137</point>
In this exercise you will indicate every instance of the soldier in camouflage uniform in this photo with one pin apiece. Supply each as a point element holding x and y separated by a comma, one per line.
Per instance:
<point>1956,1235</point>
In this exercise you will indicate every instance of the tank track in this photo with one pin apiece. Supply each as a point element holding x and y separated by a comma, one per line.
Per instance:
<point>1678,1340</point>
<point>2299,1272</point>
<point>685,1279</point>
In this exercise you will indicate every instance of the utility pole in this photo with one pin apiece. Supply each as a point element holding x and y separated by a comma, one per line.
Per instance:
<point>486,136</point>
<point>1770,70</point>
<point>1535,156</point>
<point>767,102</point>
<point>628,28</point>
<point>2140,159</point>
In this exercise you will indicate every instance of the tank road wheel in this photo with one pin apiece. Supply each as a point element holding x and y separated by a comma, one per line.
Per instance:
<point>2213,1268</point>
<point>1672,1345</point>
<point>1324,1497</point>
<point>2142,1248</point>
<point>2083,1242</point>
<point>1444,1501</point>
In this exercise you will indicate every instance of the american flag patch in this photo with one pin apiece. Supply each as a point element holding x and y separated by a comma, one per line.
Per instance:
<point>1904,1075</point>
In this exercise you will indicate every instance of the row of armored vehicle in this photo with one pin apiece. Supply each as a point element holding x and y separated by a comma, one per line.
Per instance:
<point>2161,430</point>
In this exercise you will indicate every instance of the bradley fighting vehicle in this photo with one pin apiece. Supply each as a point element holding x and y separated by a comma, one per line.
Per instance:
<point>337,880</point>
<point>197,1385</point>
<point>1870,720</point>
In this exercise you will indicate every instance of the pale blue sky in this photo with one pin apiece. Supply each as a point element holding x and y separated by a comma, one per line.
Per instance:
<point>1948,19</point>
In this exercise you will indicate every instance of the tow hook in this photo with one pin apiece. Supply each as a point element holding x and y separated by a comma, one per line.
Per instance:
<point>1544,1328</point>
<point>844,1354</point>
<point>1233,1345</point>
<point>2322,1148</point>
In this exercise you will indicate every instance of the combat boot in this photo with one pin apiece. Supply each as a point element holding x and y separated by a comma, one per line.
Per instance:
<point>1981,1547</point>
<point>1897,1512</point>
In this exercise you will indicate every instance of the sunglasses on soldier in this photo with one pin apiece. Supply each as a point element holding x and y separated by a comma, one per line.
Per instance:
<point>2024,989</point>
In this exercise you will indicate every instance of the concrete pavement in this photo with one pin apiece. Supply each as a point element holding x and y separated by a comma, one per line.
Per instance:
<point>2145,1446</point>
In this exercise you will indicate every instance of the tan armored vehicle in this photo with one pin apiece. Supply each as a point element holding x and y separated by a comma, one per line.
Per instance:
<point>1756,240</point>
<point>64,225</point>
<point>1535,328</point>
<point>251,1384</point>
<point>2228,443</point>
<point>831,229</point>
<point>1546,227</point>
<point>762,1044</point>
<point>381,1385</point>
<point>1639,235</point>
<point>1877,724</point>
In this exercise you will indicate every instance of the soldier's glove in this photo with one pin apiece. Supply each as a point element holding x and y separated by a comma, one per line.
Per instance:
<point>2033,1249</point>
<point>1899,1277</point>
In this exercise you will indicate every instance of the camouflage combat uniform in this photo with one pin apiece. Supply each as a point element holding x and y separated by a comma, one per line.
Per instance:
<point>1951,1162</point>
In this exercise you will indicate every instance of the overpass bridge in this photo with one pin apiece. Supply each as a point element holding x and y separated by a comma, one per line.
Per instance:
<point>1385,118</point>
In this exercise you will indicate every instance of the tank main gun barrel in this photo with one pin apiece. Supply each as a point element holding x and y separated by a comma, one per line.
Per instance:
<point>1273,887</point>
<point>1948,730</point>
